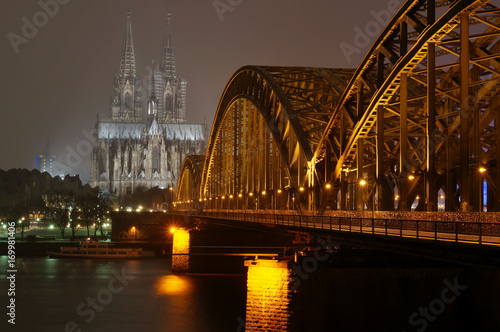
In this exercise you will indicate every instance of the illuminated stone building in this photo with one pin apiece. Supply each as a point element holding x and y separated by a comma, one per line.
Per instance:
<point>143,142</point>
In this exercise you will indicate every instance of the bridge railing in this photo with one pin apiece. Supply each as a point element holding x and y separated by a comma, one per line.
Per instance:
<point>486,233</point>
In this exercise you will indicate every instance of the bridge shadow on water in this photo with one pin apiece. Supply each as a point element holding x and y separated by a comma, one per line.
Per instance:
<point>297,282</point>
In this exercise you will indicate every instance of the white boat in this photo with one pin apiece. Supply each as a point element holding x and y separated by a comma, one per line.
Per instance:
<point>95,249</point>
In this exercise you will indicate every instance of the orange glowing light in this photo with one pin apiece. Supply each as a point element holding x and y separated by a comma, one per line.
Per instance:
<point>328,186</point>
<point>302,189</point>
<point>268,291</point>
<point>362,182</point>
<point>172,285</point>
<point>180,250</point>
<point>250,194</point>
<point>263,192</point>
<point>279,191</point>
<point>411,177</point>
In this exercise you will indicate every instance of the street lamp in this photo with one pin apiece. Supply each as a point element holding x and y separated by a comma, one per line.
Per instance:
<point>363,183</point>
<point>482,170</point>
<point>171,190</point>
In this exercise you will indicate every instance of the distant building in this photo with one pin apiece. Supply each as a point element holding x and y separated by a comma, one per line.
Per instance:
<point>144,147</point>
<point>45,162</point>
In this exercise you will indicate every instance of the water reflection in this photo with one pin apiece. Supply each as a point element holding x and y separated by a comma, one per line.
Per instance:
<point>268,295</point>
<point>180,250</point>
<point>172,285</point>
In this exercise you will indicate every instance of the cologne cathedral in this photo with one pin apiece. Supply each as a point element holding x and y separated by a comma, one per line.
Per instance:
<point>143,142</point>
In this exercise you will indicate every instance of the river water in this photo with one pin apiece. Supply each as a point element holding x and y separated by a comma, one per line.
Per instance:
<point>145,295</point>
<point>136,295</point>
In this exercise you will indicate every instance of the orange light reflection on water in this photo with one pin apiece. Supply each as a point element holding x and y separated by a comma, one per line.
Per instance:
<point>172,285</point>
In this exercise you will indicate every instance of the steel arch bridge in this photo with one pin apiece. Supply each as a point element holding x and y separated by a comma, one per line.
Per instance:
<point>416,124</point>
<point>190,178</point>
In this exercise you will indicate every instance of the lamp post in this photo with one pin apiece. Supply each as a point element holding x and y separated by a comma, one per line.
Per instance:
<point>363,183</point>
<point>171,191</point>
<point>482,170</point>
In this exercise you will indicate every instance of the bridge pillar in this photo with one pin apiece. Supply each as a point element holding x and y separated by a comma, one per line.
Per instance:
<point>496,205</point>
<point>464,113</point>
<point>430,187</point>
<point>403,149</point>
<point>379,164</point>
<point>360,204</point>
<point>344,178</point>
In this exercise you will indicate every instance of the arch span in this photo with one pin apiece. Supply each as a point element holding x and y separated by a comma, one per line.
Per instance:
<point>188,186</point>
<point>266,128</point>
<point>425,97</point>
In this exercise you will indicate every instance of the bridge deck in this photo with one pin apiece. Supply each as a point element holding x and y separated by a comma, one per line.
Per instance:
<point>449,231</point>
<point>470,243</point>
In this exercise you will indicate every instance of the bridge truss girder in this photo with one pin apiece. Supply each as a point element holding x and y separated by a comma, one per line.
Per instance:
<point>425,104</point>
<point>266,129</point>
<point>188,185</point>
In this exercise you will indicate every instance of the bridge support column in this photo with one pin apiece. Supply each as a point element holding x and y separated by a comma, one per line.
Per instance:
<point>403,150</point>
<point>496,108</point>
<point>464,113</point>
<point>360,204</point>
<point>379,164</point>
<point>344,178</point>
<point>430,188</point>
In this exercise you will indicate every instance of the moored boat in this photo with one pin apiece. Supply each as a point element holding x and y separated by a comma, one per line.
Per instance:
<point>95,249</point>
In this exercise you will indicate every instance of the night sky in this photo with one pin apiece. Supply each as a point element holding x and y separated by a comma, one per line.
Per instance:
<point>62,76</point>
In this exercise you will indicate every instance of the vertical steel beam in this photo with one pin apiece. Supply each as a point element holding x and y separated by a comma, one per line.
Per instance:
<point>403,142</point>
<point>430,188</point>
<point>359,189</point>
<point>496,109</point>
<point>403,40</point>
<point>379,164</point>
<point>464,112</point>
<point>380,69</point>
<point>344,178</point>
<point>431,11</point>
<point>476,177</point>
<point>450,178</point>
<point>360,151</point>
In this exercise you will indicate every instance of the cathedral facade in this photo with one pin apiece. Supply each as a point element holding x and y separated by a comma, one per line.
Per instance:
<point>143,141</point>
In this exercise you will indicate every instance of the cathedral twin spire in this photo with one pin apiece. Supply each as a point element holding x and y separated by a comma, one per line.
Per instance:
<point>127,63</point>
<point>167,64</point>
<point>168,86</point>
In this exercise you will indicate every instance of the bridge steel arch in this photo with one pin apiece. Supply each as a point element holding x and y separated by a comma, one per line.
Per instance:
<point>267,126</point>
<point>188,187</point>
<point>419,122</point>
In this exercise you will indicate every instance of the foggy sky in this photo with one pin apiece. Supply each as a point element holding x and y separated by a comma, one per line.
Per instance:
<point>57,82</point>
